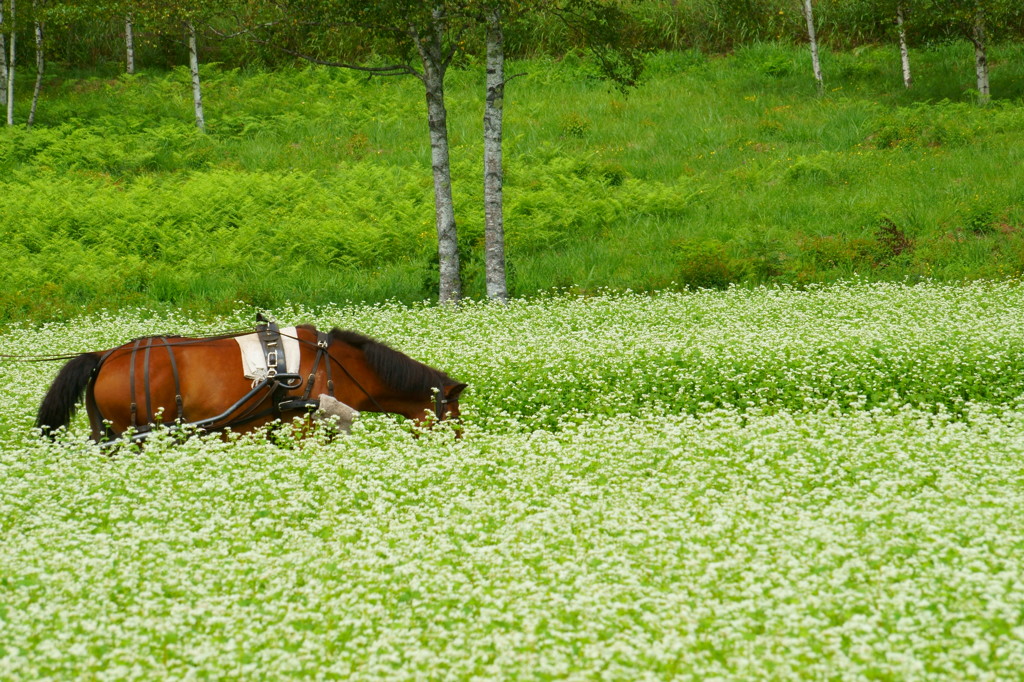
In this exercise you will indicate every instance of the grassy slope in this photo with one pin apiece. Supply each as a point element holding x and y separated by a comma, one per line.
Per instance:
<point>313,185</point>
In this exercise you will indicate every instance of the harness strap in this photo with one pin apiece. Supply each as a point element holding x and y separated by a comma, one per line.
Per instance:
<point>275,390</point>
<point>270,336</point>
<point>148,416</point>
<point>440,401</point>
<point>145,382</point>
<point>177,381</point>
<point>325,339</point>
<point>131,384</point>
<point>322,341</point>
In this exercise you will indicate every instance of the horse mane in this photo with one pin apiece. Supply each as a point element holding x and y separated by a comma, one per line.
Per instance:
<point>396,369</point>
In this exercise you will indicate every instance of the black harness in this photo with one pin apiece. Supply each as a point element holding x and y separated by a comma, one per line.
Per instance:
<point>147,343</point>
<point>440,402</point>
<point>278,382</point>
<point>278,379</point>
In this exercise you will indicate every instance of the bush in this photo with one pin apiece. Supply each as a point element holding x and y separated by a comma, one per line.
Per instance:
<point>705,264</point>
<point>946,124</point>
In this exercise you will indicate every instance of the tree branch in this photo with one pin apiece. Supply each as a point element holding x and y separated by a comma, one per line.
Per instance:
<point>390,70</point>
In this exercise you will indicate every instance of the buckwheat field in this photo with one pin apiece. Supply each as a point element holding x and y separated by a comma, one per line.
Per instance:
<point>746,484</point>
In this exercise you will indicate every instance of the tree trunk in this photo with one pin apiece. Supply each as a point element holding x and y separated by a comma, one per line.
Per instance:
<point>904,53</point>
<point>494,222</point>
<point>10,73</point>
<point>815,62</point>
<point>980,57</point>
<point>430,49</point>
<point>129,43</point>
<point>3,61</point>
<point>193,63</point>
<point>40,65</point>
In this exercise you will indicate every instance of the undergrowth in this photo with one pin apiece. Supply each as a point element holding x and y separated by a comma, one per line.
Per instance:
<point>314,184</point>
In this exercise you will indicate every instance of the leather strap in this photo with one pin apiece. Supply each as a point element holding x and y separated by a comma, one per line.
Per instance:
<point>322,341</point>
<point>145,381</point>
<point>131,384</point>
<point>273,350</point>
<point>177,381</point>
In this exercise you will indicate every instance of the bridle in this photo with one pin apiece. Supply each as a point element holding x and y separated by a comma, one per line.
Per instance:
<point>440,402</point>
<point>440,399</point>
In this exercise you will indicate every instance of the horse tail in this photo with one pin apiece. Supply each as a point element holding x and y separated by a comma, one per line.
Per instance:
<point>66,393</point>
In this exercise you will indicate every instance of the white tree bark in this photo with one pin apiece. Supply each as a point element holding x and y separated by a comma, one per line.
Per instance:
<point>40,65</point>
<point>193,63</point>
<point>3,61</point>
<point>980,57</point>
<point>815,61</point>
<point>904,53</point>
<point>10,73</point>
<point>430,49</point>
<point>494,222</point>
<point>129,43</point>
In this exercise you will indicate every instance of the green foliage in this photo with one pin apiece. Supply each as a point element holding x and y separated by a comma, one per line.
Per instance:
<point>108,148</point>
<point>314,184</point>
<point>574,125</point>
<point>87,34</point>
<point>816,170</point>
<point>977,215</point>
<point>767,59</point>
<point>705,265</point>
<point>935,125</point>
<point>942,124</point>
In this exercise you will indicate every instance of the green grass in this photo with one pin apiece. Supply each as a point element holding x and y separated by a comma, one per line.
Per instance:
<point>314,184</point>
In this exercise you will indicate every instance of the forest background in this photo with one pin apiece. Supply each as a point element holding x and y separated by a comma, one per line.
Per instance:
<point>723,165</point>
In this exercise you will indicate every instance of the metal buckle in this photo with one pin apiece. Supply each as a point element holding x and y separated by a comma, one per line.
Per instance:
<point>271,363</point>
<point>440,401</point>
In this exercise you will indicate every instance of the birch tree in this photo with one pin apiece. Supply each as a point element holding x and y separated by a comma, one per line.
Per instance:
<point>435,59</point>
<point>808,13</point>
<point>10,62</point>
<point>600,26</point>
<point>187,17</point>
<point>41,15</point>
<point>37,26</point>
<point>873,19</point>
<point>901,30</point>
<point>193,66</point>
<point>129,43</point>
<point>494,106</point>
<point>3,58</point>
<point>980,54</point>
<point>420,38</point>
<point>976,21</point>
<point>417,38</point>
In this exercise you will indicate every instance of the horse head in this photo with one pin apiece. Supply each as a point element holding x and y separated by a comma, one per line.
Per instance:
<point>382,379</point>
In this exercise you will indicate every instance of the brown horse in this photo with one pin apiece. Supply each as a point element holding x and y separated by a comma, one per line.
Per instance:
<point>200,381</point>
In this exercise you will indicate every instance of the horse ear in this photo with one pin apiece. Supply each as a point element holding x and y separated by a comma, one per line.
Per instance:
<point>454,391</point>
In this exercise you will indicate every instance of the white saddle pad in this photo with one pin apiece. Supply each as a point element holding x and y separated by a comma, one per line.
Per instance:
<point>254,362</point>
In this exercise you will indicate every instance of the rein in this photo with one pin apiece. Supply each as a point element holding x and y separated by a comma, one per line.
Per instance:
<point>38,358</point>
<point>193,340</point>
